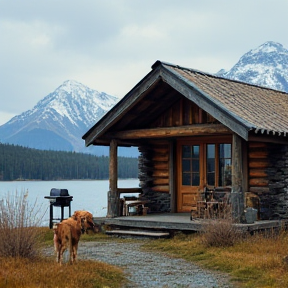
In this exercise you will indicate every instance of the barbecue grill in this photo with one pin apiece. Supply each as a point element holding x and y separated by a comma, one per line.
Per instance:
<point>59,198</point>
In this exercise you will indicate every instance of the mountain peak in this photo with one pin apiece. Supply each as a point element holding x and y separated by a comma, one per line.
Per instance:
<point>268,47</point>
<point>266,65</point>
<point>72,86</point>
<point>66,113</point>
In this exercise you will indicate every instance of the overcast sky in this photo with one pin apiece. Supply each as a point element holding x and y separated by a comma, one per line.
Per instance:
<point>110,45</point>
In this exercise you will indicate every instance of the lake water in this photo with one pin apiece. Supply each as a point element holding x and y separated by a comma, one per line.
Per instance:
<point>90,195</point>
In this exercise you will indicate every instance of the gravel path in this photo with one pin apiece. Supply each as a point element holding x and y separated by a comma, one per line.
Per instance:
<point>151,269</point>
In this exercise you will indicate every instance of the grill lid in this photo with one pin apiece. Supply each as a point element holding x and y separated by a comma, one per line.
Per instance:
<point>59,192</point>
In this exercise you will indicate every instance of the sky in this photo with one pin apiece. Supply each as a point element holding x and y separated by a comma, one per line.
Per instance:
<point>110,45</point>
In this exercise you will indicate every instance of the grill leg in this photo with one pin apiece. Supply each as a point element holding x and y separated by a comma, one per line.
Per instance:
<point>62,212</point>
<point>51,216</point>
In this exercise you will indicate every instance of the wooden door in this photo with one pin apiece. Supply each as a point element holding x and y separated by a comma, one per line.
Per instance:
<point>190,166</point>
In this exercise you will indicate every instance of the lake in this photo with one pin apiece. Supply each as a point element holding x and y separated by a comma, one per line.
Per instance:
<point>90,195</point>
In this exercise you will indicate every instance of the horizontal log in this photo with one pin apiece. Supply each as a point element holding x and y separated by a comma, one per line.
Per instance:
<point>258,182</point>
<point>160,158</point>
<point>257,173</point>
<point>257,144</point>
<point>259,190</point>
<point>160,173</point>
<point>258,164</point>
<point>129,190</point>
<point>161,188</point>
<point>161,166</point>
<point>191,130</point>
<point>258,154</point>
<point>161,150</point>
<point>161,181</point>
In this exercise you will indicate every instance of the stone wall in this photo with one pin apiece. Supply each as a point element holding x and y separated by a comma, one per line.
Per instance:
<point>274,205</point>
<point>159,201</point>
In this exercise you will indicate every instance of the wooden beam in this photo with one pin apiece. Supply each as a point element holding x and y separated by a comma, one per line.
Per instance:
<point>172,175</point>
<point>237,193</point>
<point>189,130</point>
<point>113,195</point>
<point>129,190</point>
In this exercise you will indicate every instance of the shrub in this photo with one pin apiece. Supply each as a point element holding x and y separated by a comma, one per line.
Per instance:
<point>18,226</point>
<point>221,232</point>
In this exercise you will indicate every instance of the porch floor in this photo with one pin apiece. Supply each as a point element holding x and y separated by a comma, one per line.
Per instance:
<point>180,222</point>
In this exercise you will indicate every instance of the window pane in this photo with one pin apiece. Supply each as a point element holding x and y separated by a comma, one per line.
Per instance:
<point>225,150</point>
<point>211,151</point>
<point>210,164</point>
<point>186,179</point>
<point>186,151</point>
<point>195,165</point>
<point>186,165</point>
<point>225,164</point>
<point>195,152</point>
<point>211,179</point>
<point>195,179</point>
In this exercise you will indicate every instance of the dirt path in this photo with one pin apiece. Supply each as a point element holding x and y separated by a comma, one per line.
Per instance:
<point>151,269</point>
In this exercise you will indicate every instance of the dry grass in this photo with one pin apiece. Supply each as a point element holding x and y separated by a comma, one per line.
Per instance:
<point>221,233</point>
<point>21,244</point>
<point>256,261</point>
<point>24,273</point>
<point>18,226</point>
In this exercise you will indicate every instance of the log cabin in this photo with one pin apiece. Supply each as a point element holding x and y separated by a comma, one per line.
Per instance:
<point>196,131</point>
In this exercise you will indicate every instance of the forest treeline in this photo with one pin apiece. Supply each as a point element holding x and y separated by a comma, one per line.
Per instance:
<point>17,162</point>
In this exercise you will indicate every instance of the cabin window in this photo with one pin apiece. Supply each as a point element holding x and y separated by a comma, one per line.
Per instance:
<point>211,164</point>
<point>218,155</point>
<point>190,165</point>
<point>225,162</point>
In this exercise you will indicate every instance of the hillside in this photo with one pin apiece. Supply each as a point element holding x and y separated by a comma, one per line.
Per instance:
<point>18,162</point>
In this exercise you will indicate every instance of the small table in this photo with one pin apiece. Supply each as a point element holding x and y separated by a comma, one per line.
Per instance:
<point>132,203</point>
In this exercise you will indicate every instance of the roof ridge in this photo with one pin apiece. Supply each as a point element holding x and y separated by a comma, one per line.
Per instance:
<point>158,63</point>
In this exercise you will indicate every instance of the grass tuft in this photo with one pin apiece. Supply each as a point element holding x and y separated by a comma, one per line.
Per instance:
<point>258,261</point>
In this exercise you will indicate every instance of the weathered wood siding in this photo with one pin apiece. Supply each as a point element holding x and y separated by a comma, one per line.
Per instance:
<point>183,112</point>
<point>154,175</point>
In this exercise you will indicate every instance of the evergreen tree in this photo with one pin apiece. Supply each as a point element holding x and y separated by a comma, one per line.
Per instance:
<point>17,162</point>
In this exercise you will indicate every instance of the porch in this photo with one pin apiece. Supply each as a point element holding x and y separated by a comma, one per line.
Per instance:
<point>171,222</point>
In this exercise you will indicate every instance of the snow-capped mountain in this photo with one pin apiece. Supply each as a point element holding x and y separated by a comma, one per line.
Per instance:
<point>59,120</point>
<point>267,66</point>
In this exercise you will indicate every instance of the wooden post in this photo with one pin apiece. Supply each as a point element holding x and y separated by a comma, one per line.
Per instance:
<point>172,176</point>
<point>237,194</point>
<point>113,196</point>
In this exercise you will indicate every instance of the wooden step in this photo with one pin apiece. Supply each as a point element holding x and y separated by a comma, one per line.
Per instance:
<point>157,234</point>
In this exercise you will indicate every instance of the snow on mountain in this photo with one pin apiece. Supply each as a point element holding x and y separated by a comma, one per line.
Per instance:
<point>266,65</point>
<point>58,121</point>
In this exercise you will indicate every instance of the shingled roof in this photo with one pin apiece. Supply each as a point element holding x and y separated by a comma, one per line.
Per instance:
<point>259,108</point>
<point>241,107</point>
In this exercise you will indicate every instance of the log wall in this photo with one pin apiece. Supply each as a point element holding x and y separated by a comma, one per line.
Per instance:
<point>268,178</point>
<point>154,175</point>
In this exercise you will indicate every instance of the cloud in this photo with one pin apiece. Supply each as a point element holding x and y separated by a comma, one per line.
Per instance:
<point>110,45</point>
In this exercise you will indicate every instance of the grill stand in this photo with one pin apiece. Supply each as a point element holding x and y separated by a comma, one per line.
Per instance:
<point>61,201</point>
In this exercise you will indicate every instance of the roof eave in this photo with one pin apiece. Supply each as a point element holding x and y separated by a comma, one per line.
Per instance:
<point>121,107</point>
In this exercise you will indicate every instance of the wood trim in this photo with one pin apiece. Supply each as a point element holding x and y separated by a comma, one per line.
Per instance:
<point>237,195</point>
<point>113,196</point>
<point>172,175</point>
<point>129,190</point>
<point>269,139</point>
<point>191,130</point>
